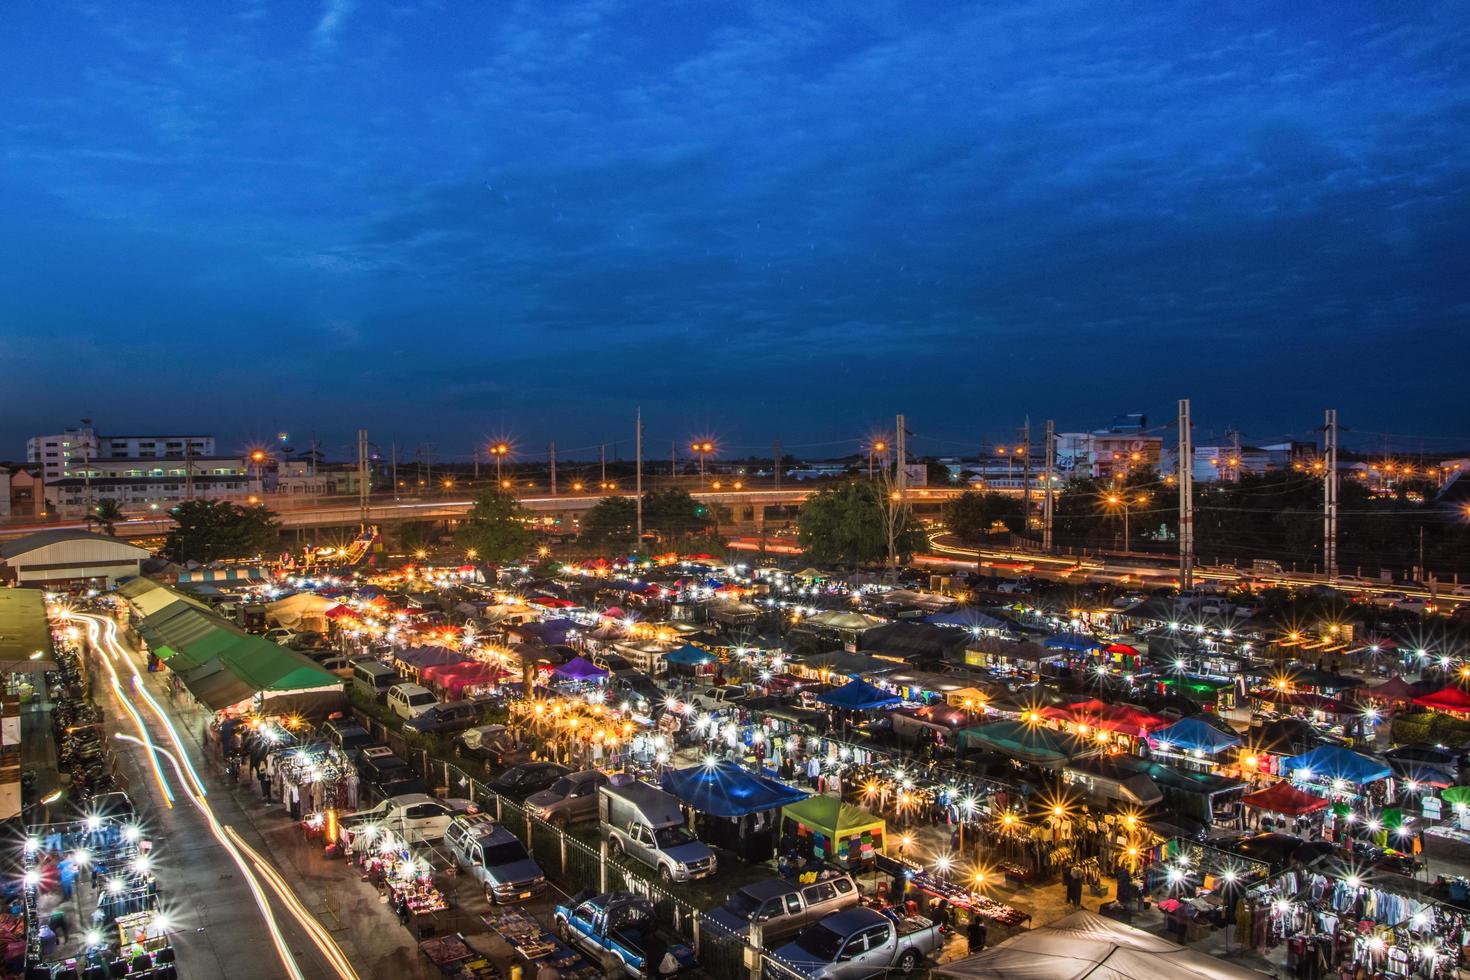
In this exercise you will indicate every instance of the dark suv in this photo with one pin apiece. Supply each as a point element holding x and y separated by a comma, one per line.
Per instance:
<point>519,782</point>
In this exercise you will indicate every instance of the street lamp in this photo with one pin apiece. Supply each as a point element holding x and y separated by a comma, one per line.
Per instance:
<point>878,449</point>
<point>1118,500</point>
<point>701,448</point>
<point>257,460</point>
<point>499,450</point>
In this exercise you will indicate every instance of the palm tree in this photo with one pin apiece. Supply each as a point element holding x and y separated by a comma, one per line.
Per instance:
<point>105,514</point>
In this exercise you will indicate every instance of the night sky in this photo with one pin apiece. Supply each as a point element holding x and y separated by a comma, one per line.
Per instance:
<point>447,221</point>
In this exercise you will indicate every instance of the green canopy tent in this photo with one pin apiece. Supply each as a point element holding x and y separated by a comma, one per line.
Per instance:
<point>838,833</point>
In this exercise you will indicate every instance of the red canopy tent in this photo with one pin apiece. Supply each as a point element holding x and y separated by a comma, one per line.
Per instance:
<point>1448,699</point>
<point>1285,798</point>
<point>1122,648</point>
<point>454,678</point>
<point>552,602</point>
<point>339,612</point>
<point>1109,717</point>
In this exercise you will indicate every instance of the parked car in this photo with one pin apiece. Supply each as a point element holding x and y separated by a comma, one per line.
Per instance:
<point>570,799</point>
<point>1414,604</point>
<point>411,817</point>
<point>1462,591</point>
<point>782,908</point>
<point>1423,763</point>
<point>279,634</point>
<point>386,774</point>
<point>1279,851</point>
<point>489,744</point>
<point>374,679</point>
<point>519,782</point>
<point>494,856</point>
<point>854,943</point>
<point>336,663</point>
<point>715,698</point>
<point>440,718</point>
<point>348,737</point>
<point>647,824</point>
<point>407,700</point>
<point>620,929</point>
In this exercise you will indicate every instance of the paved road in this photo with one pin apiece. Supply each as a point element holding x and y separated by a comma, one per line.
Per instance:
<point>220,930</point>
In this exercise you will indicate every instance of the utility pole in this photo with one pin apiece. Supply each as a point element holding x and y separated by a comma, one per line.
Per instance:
<point>1234,455</point>
<point>901,477</point>
<point>1048,500</point>
<point>364,485</point>
<point>395,470</point>
<point>776,458</point>
<point>1329,496</point>
<point>552,451</point>
<point>477,464</point>
<point>188,469</point>
<point>87,464</point>
<point>1186,498</point>
<point>603,456</point>
<point>1026,480</point>
<point>638,479</point>
<point>673,456</point>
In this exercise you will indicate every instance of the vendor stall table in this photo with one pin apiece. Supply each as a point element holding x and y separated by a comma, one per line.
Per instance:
<point>533,943</point>
<point>457,959</point>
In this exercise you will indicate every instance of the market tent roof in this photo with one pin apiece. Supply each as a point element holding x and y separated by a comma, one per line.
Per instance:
<point>215,686</point>
<point>147,597</point>
<point>291,610</point>
<point>579,668</point>
<point>25,631</point>
<point>841,619</point>
<point>1076,642</point>
<point>965,618</point>
<point>1125,649</point>
<point>1285,798</point>
<point>1393,689</point>
<point>434,656</point>
<point>858,695</point>
<point>551,632</point>
<point>842,662</point>
<point>1026,743</point>
<point>689,655</point>
<point>728,790</point>
<point>830,814</point>
<point>1304,699</point>
<point>911,640</point>
<point>1336,762</point>
<point>1450,698</point>
<point>1087,945</point>
<point>1192,734</point>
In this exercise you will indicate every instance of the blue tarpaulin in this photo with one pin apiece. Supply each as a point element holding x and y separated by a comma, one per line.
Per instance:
<point>859,695</point>
<point>1190,735</point>
<point>580,669</point>
<point>728,790</point>
<point>690,655</point>
<point>1076,642</point>
<point>1334,762</point>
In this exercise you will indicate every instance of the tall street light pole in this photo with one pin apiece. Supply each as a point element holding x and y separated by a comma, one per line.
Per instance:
<point>702,448</point>
<point>499,451</point>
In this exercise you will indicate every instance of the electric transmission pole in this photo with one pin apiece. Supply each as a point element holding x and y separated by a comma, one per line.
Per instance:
<point>552,451</point>
<point>901,474</point>
<point>1329,496</point>
<point>363,484</point>
<point>1026,481</point>
<point>638,479</point>
<point>776,458</point>
<point>1048,499</point>
<point>1186,498</point>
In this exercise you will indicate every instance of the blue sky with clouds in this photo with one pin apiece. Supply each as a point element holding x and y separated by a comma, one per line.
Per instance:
<point>762,220</point>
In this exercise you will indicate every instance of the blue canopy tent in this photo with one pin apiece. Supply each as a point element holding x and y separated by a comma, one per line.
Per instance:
<point>859,695</point>
<point>1329,762</point>
<point>690,655</point>
<point>580,669</point>
<point>1074,642</point>
<point>724,796</point>
<point>1192,735</point>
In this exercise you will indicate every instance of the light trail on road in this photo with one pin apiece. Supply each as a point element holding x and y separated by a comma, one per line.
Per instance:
<point>102,633</point>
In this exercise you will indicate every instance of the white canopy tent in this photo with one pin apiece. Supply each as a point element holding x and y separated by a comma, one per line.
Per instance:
<point>1085,944</point>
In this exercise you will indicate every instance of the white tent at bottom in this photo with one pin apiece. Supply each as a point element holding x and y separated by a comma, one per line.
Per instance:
<point>1085,944</point>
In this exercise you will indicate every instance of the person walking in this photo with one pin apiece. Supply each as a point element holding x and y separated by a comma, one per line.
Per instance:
<point>975,934</point>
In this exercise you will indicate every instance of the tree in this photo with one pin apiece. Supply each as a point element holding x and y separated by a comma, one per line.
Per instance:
<point>849,524</point>
<point>210,529</point>
<point>105,514</point>
<point>611,525</point>
<point>972,516</point>
<point>675,514</point>
<point>495,530</point>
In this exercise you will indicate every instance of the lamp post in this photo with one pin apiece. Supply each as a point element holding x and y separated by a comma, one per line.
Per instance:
<point>257,459</point>
<point>701,448</point>
<point>1117,500</point>
<point>877,449</point>
<point>499,450</point>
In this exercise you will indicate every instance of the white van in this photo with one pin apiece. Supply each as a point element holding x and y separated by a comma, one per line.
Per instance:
<point>409,700</point>
<point>647,824</point>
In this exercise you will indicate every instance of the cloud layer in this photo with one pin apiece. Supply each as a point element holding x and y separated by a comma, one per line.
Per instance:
<point>769,220</point>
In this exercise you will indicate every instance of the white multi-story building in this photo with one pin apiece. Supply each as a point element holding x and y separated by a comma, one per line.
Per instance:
<point>59,455</point>
<point>152,484</point>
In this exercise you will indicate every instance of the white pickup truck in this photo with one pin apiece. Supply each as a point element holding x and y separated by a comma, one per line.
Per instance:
<point>414,817</point>
<point>852,944</point>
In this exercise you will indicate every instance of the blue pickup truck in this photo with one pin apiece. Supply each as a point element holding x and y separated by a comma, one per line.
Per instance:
<point>620,927</point>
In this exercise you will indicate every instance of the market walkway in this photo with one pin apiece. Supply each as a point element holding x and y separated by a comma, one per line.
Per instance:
<point>38,753</point>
